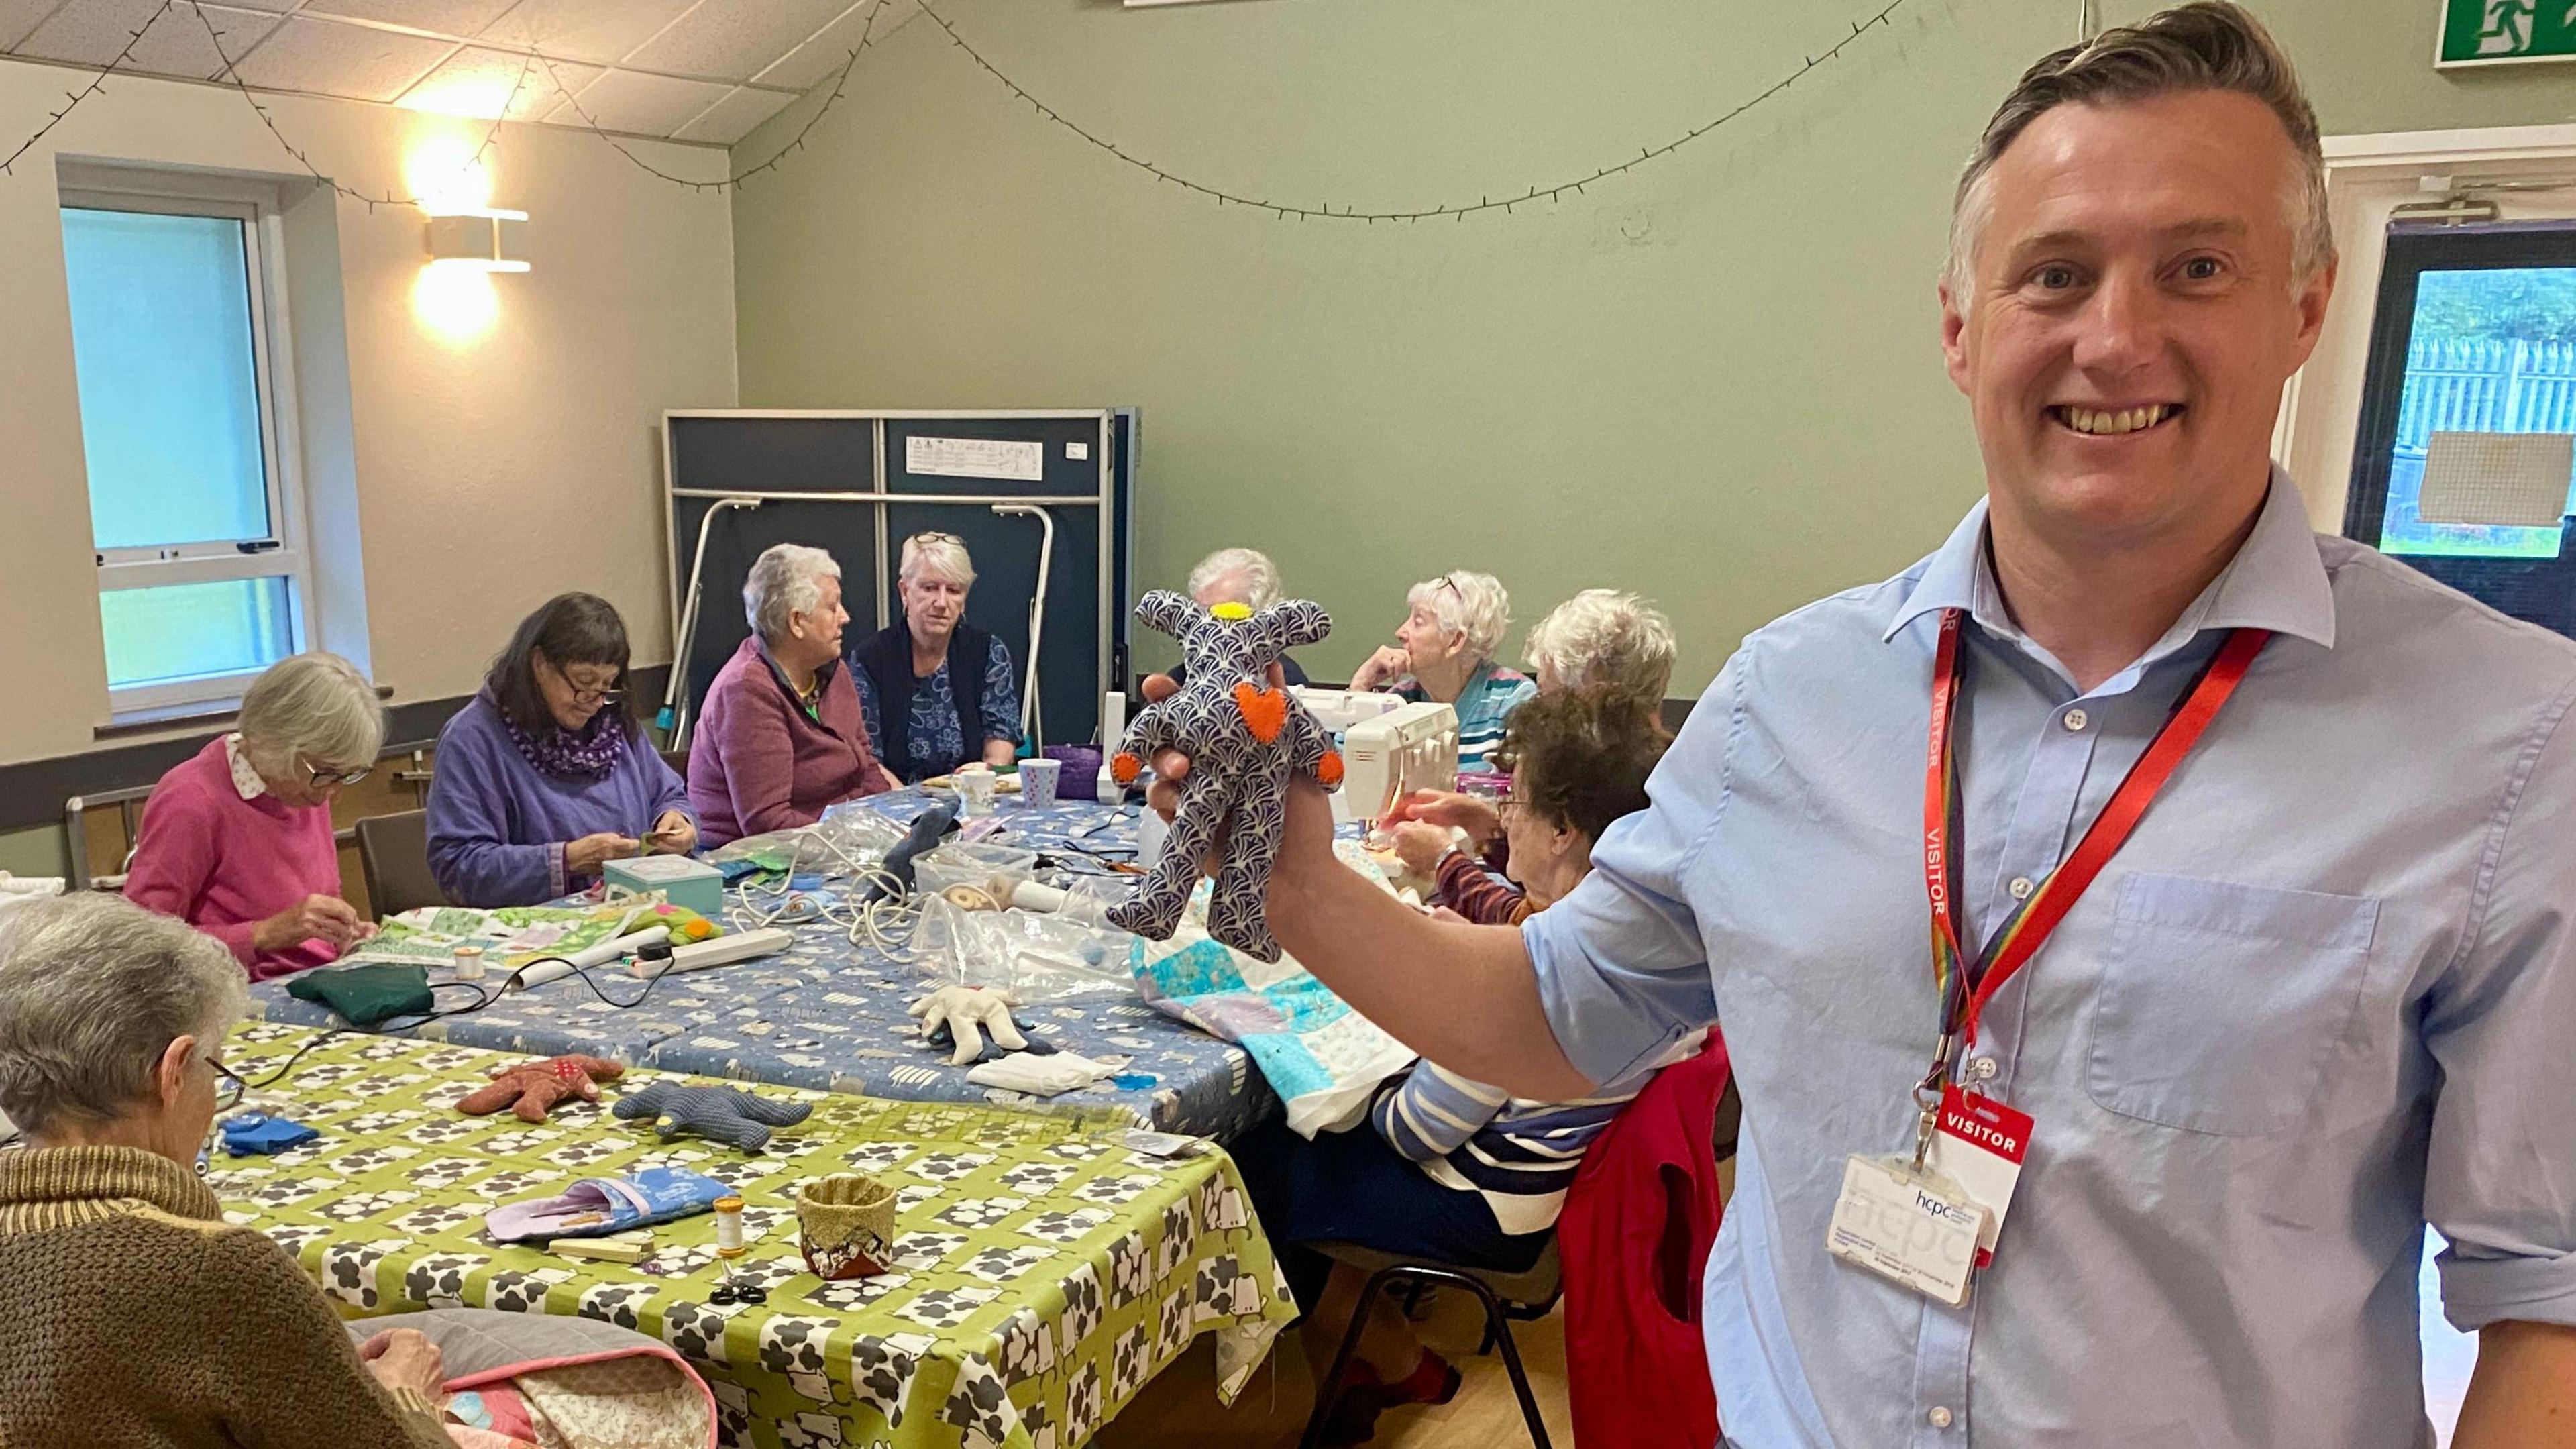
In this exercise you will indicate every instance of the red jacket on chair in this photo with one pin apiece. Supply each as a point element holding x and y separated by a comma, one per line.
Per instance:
<point>1638,1224</point>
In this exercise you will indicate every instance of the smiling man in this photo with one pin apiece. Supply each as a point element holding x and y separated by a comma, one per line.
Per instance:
<point>2245,858</point>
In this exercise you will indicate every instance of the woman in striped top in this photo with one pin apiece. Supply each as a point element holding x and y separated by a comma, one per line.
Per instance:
<point>1444,652</point>
<point>1448,1168</point>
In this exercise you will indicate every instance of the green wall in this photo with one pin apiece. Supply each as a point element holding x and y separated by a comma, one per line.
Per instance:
<point>38,850</point>
<point>1715,380</point>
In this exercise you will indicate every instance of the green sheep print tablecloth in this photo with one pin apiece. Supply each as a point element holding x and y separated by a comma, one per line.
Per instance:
<point>1044,1270</point>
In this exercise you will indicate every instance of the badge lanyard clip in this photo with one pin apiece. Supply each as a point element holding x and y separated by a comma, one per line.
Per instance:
<point>1927,1097</point>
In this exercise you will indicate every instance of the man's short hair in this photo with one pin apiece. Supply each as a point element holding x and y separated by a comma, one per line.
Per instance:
<point>2207,45</point>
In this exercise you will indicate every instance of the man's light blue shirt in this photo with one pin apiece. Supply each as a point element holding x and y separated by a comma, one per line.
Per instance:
<point>2325,994</point>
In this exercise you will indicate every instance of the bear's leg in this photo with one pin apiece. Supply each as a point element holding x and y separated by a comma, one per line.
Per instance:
<point>1235,908</point>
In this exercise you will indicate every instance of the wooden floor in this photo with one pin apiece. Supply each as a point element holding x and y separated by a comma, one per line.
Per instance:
<point>1179,1409</point>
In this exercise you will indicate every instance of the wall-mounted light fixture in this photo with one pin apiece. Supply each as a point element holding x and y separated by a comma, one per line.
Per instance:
<point>481,240</point>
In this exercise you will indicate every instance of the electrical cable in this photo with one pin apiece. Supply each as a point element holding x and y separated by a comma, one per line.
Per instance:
<point>485,995</point>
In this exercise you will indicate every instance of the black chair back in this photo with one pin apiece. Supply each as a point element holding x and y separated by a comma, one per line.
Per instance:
<point>394,850</point>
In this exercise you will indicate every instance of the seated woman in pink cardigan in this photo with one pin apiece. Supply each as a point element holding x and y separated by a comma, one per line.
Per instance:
<point>237,840</point>
<point>781,737</point>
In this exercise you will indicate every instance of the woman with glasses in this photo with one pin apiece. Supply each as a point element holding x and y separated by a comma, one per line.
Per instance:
<point>937,691</point>
<point>547,774</point>
<point>1444,651</point>
<point>238,842</point>
<point>136,1314</point>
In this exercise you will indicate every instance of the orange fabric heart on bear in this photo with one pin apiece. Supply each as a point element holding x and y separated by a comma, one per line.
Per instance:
<point>1265,711</point>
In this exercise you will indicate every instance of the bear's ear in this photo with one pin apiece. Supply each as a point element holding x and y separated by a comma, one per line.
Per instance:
<point>1170,612</point>
<point>1292,622</point>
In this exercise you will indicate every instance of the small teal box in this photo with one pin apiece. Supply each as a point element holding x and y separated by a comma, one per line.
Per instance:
<point>691,884</point>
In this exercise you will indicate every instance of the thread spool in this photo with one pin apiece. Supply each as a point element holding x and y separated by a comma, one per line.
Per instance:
<point>469,963</point>
<point>729,1227</point>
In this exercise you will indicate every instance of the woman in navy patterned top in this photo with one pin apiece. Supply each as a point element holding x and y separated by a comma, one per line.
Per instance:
<point>937,691</point>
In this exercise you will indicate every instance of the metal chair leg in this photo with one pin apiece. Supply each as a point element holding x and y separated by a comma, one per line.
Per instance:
<point>1498,1330</point>
<point>1328,1388</point>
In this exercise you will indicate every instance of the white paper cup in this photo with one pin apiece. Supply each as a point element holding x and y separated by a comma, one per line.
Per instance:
<point>975,791</point>
<point>1038,781</point>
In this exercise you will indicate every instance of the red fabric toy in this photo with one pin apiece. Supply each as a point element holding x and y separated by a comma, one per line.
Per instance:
<point>537,1086</point>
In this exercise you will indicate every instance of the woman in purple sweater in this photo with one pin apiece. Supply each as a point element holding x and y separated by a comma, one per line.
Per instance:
<point>547,773</point>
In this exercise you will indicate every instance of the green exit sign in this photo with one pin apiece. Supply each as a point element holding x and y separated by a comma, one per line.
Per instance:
<point>2506,32</point>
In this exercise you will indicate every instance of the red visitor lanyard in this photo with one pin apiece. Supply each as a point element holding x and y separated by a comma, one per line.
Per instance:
<point>1964,994</point>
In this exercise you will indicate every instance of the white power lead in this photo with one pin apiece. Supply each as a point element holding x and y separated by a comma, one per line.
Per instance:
<point>721,951</point>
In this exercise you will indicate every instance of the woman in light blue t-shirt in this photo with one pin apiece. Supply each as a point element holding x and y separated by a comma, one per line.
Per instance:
<point>1444,651</point>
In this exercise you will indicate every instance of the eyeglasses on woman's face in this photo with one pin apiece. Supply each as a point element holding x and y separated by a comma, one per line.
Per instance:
<point>322,777</point>
<point>229,1087</point>
<point>593,684</point>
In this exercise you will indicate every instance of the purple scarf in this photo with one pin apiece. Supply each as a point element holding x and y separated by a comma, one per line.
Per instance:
<point>588,755</point>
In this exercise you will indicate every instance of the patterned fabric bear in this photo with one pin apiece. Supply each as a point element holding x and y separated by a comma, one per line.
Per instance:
<point>1243,736</point>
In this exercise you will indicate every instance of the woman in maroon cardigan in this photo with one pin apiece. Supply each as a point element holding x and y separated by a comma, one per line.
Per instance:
<point>780,738</point>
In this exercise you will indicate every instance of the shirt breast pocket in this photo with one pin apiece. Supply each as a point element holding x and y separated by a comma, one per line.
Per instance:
<point>2221,1003</point>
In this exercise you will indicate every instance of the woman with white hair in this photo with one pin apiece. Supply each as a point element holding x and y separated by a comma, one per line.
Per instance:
<point>1243,576</point>
<point>780,738</point>
<point>1608,639</point>
<point>1444,651</point>
<point>936,690</point>
<point>237,840</point>
<point>1603,640</point>
<point>137,1315</point>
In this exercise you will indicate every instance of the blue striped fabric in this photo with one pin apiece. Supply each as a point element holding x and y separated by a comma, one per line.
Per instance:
<point>1518,1154</point>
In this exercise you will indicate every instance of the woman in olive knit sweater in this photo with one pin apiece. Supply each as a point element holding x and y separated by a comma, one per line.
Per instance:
<point>137,1318</point>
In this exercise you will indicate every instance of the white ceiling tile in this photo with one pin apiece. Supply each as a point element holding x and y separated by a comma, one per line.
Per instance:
<point>478,82</point>
<point>17,17</point>
<point>736,41</point>
<point>330,59</point>
<point>824,55</point>
<point>447,17</point>
<point>94,32</point>
<point>731,119</point>
<point>593,30</point>
<point>648,105</point>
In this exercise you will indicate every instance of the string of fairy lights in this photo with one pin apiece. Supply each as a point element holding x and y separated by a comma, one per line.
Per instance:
<point>1880,18</point>
<point>1460,210</point>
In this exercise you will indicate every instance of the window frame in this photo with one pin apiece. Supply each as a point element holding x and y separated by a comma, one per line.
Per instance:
<point>285,551</point>
<point>2410,251</point>
<point>2528,172</point>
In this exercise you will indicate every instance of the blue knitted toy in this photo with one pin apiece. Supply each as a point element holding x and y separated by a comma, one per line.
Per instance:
<point>719,1114</point>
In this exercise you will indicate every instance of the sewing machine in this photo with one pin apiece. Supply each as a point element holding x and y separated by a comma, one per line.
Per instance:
<point>1339,709</point>
<point>1386,757</point>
